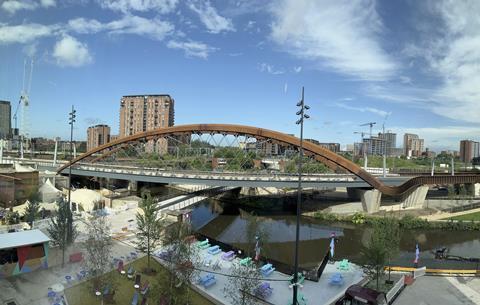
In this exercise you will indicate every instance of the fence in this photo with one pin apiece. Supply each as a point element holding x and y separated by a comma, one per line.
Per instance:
<point>392,293</point>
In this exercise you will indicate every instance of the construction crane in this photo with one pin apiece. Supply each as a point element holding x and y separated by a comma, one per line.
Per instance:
<point>371,126</point>
<point>364,148</point>
<point>24,102</point>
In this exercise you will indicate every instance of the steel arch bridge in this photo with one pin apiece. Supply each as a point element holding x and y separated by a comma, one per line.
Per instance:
<point>323,155</point>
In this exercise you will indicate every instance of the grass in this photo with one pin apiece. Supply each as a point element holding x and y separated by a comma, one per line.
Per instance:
<point>467,217</point>
<point>82,294</point>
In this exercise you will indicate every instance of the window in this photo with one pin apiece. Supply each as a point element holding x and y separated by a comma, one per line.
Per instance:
<point>8,256</point>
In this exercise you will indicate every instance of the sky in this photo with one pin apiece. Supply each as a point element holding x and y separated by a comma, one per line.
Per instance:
<point>411,65</point>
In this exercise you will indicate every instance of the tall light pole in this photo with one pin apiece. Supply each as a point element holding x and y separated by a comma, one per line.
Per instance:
<point>301,113</point>
<point>71,121</point>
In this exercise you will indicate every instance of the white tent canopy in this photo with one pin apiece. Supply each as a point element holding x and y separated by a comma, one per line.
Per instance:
<point>48,192</point>
<point>23,169</point>
<point>86,198</point>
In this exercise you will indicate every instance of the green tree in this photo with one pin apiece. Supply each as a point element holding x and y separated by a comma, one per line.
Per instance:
<point>12,218</point>
<point>254,230</point>
<point>150,227</point>
<point>61,229</point>
<point>98,247</point>
<point>391,235</point>
<point>374,254</point>
<point>183,259</point>
<point>241,285</point>
<point>32,212</point>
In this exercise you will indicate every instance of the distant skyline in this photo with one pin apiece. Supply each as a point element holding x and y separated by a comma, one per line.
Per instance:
<point>414,65</point>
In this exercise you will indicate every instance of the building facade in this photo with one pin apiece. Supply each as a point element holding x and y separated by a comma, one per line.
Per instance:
<point>413,146</point>
<point>468,150</point>
<point>5,119</point>
<point>97,135</point>
<point>140,113</point>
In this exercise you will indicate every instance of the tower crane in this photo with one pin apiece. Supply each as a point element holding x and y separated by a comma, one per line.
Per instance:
<point>364,148</point>
<point>24,102</point>
<point>371,126</point>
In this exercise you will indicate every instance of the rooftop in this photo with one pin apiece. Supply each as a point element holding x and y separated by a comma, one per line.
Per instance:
<point>23,238</point>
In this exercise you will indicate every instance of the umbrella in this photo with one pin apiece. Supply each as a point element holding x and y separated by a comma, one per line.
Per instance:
<point>332,244</point>
<point>417,254</point>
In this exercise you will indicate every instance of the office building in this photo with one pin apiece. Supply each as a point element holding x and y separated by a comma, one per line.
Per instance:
<point>413,146</point>
<point>140,113</point>
<point>468,150</point>
<point>97,135</point>
<point>335,147</point>
<point>5,119</point>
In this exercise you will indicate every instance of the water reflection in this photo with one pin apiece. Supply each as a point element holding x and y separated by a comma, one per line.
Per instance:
<point>226,223</point>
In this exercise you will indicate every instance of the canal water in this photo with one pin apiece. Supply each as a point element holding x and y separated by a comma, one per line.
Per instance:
<point>227,223</point>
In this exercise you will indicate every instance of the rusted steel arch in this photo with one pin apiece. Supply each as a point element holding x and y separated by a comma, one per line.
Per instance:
<point>321,154</point>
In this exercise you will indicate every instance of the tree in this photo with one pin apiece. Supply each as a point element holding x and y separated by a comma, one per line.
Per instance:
<point>183,259</point>
<point>32,212</point>
<point>61,229</point>
<point>391,235</point>
<point>149,226</point>
<point>98,247</point>
<point>375,253</point>
<point>12,218</point>
<point>241,285</point>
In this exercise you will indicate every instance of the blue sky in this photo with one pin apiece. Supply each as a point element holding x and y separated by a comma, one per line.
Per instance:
<point>413,64</point>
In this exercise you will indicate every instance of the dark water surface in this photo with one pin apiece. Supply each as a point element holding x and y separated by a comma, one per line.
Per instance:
<point>225,222</point>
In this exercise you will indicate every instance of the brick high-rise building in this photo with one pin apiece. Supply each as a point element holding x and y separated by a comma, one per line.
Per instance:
<point>97,135</point>
<point>5,119</point>
<point>139,113</point>
<point>413,146</point>
<point>468,150</point>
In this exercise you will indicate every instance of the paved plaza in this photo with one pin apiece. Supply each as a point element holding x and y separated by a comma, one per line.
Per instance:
<point>317,293</point>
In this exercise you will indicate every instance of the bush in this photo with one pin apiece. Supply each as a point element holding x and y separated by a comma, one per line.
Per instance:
<point>358,218</point>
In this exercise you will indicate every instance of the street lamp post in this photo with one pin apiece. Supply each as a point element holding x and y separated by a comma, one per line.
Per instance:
<point>301,113</point>
<point>71,121</point>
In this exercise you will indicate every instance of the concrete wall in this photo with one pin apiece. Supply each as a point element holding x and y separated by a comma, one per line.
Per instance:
<point>415,198</point>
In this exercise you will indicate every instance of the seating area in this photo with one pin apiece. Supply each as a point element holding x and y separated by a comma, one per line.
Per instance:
<point>246,261</point>
<point>207,280</point>
<point>214,250</point>
<point>267,269</point>
<point>344,265</point>
<point>263,290</point>
<point>203,244</point>
<point>336,279</point>
<point>228,256</point>
<point>301,279</point>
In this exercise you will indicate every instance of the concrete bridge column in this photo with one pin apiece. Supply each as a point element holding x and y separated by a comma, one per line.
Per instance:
<point>132,186</point>
<point>415,198</point>
<point>370,198</point>
<point>473,189</point>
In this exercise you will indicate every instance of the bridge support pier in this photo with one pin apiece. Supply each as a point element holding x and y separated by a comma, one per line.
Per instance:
<point>473,189</point>
<point>415,198</point>
<point>370,198</point>
<point>132,186</point>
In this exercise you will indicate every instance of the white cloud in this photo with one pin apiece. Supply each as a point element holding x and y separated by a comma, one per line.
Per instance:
<point>192,48</point>
<point>48,3</point>
<point>342,35</point>
<point>25,33</point>
<point>209,16</point>
<point>264,67</point>
<point>70,52</point>
<point>453,57</point>
<point>364,109</point>
<point>161,6</point>
<point>297,69</point>
<point>129,24</point>
<point>12,6</point>
<point>153,28</point>
<point>84,26</point>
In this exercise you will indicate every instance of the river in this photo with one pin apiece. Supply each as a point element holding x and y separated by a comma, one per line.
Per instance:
<point>226,222</point>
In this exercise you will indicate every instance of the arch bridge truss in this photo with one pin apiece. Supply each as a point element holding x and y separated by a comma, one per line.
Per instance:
<point>235,147</point>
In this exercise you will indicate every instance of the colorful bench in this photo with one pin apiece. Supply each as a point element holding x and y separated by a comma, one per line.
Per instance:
<point>228,256</point>
<point>267,269</point>
<point>214,250</point>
